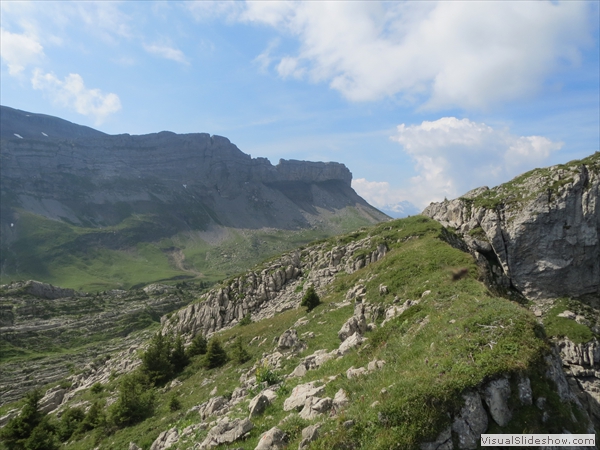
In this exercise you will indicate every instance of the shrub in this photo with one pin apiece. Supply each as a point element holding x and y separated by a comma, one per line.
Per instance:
<point>97,388</point>
<point>174,403</point>
<point>69,423</point>
<point>135,402</point>
<point>19,429</point>
<point>215,354</point>
<point>95,418</point>
<point>266,374</point>
<point>198,346</point>
<point>310,299</point>
<point>239,353</point>
<point>246,320</point>
<point>178,357</point>
<point>42,437</point>
<point>156,360</point>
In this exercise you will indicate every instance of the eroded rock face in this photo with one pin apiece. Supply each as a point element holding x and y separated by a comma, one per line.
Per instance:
<point>226,432</point>
<point>471,422</point>
<point>543,228</point>
<point>275,289</point>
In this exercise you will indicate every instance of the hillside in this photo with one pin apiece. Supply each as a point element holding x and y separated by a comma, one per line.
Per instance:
<point>91,211</point>
<point>409,348</point>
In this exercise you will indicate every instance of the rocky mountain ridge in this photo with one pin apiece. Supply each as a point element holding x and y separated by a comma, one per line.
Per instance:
<point>103,192</point>
<point>541,229</point>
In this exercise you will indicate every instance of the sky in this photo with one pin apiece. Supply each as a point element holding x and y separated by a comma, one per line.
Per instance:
<point>421,100</point>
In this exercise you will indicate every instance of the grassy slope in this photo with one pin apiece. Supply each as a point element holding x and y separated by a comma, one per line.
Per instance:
<point>125,255</point>
<point>471,336</point>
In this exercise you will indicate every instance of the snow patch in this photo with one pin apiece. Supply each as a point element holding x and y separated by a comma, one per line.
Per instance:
<point>18,135</point>
<point>44,134</point>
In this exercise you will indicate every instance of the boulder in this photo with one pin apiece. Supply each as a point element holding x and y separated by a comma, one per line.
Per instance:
<point>353,373</point>
<point>442,442</point>
<point>352,342</point>
<point>309,434</point>
<point>300,393</point>
<point>274,439</point>
<point>340,400</point>
<point>52,399</point>
<point>288,340</point>
<point>165,439</point>
<point>314,407</point>
<point>470,422</point>
<point>258,405</point>
<point>496,394</point>
<point>226,432</point>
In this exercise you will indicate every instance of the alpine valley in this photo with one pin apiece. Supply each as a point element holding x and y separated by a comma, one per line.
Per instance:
<point>191,297</point>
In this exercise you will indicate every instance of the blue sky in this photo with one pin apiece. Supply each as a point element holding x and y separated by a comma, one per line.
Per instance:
<point>421,100</point>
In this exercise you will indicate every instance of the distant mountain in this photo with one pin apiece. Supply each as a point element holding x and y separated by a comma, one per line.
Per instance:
<point>71,193</point>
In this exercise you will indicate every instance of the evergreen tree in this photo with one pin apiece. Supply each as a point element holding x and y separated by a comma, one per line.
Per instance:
<point>156,360</point>
<point>198,346</point>
<point>19,429</point>
<point>178,358</point>
<point>239,352</point>
<point>215,354</point>
<point>135,402</point>
<point>310,299</point>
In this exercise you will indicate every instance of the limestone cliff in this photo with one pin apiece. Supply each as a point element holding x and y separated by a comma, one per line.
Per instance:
<point>543,228</point>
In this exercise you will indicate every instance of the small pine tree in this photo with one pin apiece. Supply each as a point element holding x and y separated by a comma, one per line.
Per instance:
<point>198,346</point>
<point>215,354</point>
<point>310,299</point>
<point>239,352</point>
<point>135,402</point>
<point>19,429</point>
<point>70,420</point>
<point>178,358</point>
<point>156,360</point>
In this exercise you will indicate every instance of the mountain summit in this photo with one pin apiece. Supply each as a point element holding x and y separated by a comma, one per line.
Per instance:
<point>117,191</point>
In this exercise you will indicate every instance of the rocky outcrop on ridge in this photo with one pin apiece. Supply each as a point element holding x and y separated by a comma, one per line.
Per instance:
<point>541,230</point>
<point>277,287</point>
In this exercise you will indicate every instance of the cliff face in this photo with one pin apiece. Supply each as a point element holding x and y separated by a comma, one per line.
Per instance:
<point>146,188</point>
<point>543,227</point>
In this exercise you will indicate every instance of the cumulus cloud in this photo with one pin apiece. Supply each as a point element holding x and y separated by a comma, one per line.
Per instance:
<point>72,93</point>
<point>167,52</point>
<point>453,156</point>
<point>442,54</point>
<point>19,51</point>
<point>384,197</point>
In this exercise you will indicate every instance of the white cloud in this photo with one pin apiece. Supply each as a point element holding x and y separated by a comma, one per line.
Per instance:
<point>445,54</point>
<point>384,197</point>
<point>72,93</point>
<point>167,52</point>
<point>19,51</point>
<point>453,156</point>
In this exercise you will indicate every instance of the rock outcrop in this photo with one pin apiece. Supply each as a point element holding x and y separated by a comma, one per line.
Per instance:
<point>541,231</point>
<point>277,287</point>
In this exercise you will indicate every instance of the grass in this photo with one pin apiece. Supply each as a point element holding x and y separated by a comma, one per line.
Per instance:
<point>136,252</point>
<point>459,336</point>
<point>563,327</point>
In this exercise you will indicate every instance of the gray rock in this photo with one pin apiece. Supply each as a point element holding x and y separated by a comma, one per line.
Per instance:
<point>226,432</point>
<point>314,407</point>
<point>340,400</point>
<point>548,243</point>
<point>165,439</point>
<point>300,393</point>
<point>525,394</point>
<point>309,434</point>
<point>52,399</point>
<point>471,422</point>
<point>442,442</point>
<point>133,446</point>
<point>213,407</point>
<point>353,373</point>
<point>351,343</point>
<point>496,394</point>
<point>274,439</point>
<point>258,405</point>
<point>288,340</point>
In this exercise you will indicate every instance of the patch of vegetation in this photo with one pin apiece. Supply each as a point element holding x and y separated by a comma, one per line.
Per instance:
<point>563,327</point>
<point>310,299</point>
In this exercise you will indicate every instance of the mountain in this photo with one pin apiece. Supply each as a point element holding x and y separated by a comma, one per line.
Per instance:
<point>78,200</point>
<point>408,348</point>
<point>540,231</point>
